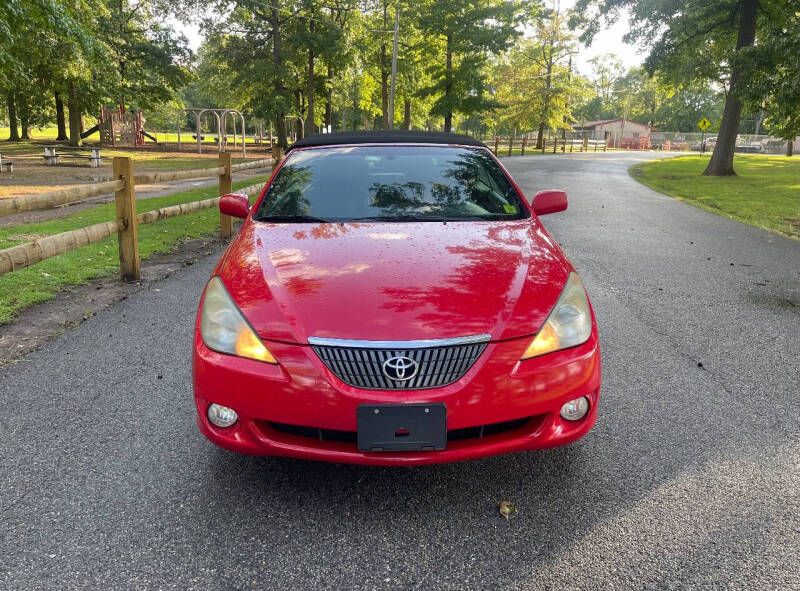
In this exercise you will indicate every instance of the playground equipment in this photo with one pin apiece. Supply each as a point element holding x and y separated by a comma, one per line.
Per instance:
<point>221,118</point>
<point>291,128</point>
<point>118,127</point>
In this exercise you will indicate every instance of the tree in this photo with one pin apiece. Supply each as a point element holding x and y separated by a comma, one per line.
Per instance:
<point>466,31</point>
<point>150,59</point>
<point>691,40</point>
<point>606,70</point>
<point>774,71</point>
<point>554,43</point>
<point>531,98</point>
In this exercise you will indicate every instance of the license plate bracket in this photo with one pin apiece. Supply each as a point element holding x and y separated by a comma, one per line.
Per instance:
<point>402,427</point>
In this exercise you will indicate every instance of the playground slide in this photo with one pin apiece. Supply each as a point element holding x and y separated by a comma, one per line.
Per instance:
<point>89,132</point>
<point>148,136</point>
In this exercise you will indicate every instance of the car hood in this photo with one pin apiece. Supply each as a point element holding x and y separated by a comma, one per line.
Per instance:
<point>394,281</point>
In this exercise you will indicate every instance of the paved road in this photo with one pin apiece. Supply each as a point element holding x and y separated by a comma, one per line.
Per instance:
<point>690,478</point>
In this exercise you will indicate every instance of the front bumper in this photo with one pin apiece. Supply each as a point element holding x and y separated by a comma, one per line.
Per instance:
<point>300,409</point>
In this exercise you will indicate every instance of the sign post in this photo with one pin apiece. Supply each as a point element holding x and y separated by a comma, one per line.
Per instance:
<point>703,124</point>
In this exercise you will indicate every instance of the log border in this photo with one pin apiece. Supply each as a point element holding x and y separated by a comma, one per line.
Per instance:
<point>125,225</point>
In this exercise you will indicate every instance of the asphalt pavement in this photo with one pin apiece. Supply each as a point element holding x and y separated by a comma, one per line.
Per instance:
<point>690,479</point>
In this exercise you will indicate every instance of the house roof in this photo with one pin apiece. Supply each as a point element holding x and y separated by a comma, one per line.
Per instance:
<point>591,124</point>
<point>385,137</point>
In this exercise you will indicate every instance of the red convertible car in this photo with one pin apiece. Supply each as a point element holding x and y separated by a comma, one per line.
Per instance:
<point>392,298</point>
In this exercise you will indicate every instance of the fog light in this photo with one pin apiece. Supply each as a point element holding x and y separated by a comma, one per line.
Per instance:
<point>575,410</point>
<point>222,416</point>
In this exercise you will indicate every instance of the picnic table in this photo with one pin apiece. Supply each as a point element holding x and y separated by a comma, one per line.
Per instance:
<point>6,166</point>
<point>53,153</point>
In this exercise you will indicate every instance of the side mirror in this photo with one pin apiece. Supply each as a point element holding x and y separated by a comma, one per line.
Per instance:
<point>234,205</point>
<point>550,201</point>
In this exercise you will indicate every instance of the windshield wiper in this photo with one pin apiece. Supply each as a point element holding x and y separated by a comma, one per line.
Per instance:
<point>297,218</point>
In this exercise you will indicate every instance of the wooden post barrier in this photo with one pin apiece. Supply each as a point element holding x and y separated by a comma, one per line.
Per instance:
<point>263,163</point>
<point>510,144</point>
<point>225,187</point>
<point>524,142</point>
<point>54,198</point>
<point>277,156</point>
<point>129,263</point>
<point>555,143</point>
<point>24,255</point>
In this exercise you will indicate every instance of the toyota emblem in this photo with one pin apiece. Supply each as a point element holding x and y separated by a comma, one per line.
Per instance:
<point>400,368</point>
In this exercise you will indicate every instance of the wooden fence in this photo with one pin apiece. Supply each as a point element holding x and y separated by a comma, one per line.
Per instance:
<point>506,146</point>
<point>127,220</point>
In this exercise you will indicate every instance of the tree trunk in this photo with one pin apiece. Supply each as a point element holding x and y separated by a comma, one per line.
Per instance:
<point>540,136</point>
<point>309,129</point>
<point>384,77</point>
<point>548,85</point>
<point>789,148</point>
<point>74,106</point>
<point>277,63</point>
<point>60,121</point>
<point>407,114</point>
<point>355,101</point>
<point>25,124</point>
<point>13,132</point>
<point>448,86</point>
<point>328,100</point>
<point>721,163</point>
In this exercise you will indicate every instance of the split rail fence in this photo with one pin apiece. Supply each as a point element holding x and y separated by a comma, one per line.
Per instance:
<point>506,146</point>
<point>127,220</point>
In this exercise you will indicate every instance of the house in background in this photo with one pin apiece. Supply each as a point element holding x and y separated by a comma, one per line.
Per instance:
<point>613,130</point>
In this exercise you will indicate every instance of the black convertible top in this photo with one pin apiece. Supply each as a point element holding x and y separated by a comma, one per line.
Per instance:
<point>385,137</point>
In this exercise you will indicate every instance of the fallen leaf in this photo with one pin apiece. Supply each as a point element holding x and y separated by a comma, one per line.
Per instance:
<point>507,508</point>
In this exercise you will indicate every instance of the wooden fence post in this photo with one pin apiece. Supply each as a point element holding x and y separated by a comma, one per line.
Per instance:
<point>125,199</point>
<point>524,141</point>
<point>555,142</point>
<point>276,156</point>
<point>510,144</point>
<point>225,187</point>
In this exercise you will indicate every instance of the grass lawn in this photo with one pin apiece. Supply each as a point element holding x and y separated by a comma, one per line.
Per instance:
<point>764,193</point>
<point>40,282</point>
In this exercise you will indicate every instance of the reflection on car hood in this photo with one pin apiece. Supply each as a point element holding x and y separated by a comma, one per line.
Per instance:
<point>394,281</point>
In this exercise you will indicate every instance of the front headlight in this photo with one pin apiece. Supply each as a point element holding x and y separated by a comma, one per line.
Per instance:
<point>224,328</point>
<point>569,323</point>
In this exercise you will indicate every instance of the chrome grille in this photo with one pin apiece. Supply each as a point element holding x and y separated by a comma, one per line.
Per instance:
<point>361,363</point>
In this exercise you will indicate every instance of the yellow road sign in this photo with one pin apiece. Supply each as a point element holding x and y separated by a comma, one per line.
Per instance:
<point>704,123</point>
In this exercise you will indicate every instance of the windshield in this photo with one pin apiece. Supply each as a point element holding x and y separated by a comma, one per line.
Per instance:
<point>390,183</point>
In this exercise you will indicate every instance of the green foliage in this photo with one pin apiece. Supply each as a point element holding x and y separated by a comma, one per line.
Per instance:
<point>774,70</point>
<point>150,60</point>
<point>467,31</point>
<point>91,53</point>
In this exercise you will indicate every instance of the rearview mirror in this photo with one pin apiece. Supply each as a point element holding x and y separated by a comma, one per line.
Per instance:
<point>550,201</point>
<point>234,205</point>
